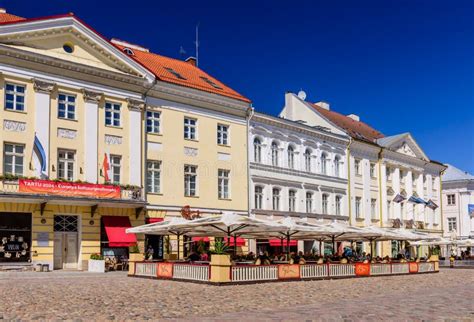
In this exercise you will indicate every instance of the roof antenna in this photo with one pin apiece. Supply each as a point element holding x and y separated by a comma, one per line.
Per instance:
<point>182,52</point>
<point>197,44</point>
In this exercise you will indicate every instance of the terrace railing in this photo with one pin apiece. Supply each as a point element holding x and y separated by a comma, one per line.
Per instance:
<point>146,269</point>
<point>314,271</point>
<point>191,272</point>
<point>254,273</point>
<point>380,269</point>
<point>426,267</point>
<point>400,268</point>
<point>337,270</point>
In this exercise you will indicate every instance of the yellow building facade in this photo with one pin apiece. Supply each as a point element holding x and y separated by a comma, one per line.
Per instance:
<point>100,135</point>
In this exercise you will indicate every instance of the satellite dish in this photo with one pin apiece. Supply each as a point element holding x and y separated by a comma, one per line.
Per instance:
<point>302,95</point>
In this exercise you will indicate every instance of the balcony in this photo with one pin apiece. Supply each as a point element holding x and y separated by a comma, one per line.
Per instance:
<point>65,192</point>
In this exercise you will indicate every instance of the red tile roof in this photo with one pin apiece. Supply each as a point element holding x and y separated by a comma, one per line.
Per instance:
<point>356,129</point>
<point>157,64</point>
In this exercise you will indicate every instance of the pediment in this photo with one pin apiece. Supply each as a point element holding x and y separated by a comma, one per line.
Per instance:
<point>403,144</point>
<point>48,38</point>
<point>405,149</point>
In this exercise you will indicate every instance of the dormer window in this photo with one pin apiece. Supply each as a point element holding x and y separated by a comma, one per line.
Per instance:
<point>128,51</point>
<point>210,82</point>
<point>175,73</point>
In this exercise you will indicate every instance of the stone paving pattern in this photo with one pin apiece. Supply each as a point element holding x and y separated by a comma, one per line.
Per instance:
<point>448,295</point>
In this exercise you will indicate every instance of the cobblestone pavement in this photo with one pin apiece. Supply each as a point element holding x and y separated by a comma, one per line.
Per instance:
<point>448,295</point>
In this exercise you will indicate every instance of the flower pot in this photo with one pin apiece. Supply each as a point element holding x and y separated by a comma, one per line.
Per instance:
<point>96,266</point>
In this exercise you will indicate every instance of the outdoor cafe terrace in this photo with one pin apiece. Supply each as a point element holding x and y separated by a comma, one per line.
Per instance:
<point>226,267</point>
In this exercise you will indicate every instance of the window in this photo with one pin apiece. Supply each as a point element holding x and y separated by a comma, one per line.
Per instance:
<point>373,173</point>
<point>413,178</point>
<point>357,167</point>
<point>373,208</point>
<point>153,120</point>
<point>223,184</point>
<point>324,163</point>
<point>276,199</point>
<point>66,164</point>
<point>388,174</point>
<point>451,200</point>
<point>258,197</point>
<point>433,183</point>
<point>325,203</point>
<point>13,159</point>
<point>389,209</point>
<point>14,97</point>
<point>190,180</point>
<point>153,176</point>
<point>190,128</point>
<point>309,202</point>
<point>112,114</point>
<point>307,160</point>
<point>358,202</point>
<point>66,106</point>
<point>68,48</point>
<point>115,167</point>
<point>210,82</point>
<point>128,51</point>
<point>222,134</point>
<point>291,157</point>
<point>402,210</point>
<point>402,176</point>
<point>274,154</point>
<point>337,168</point>
<point>452,225</point>
<point>257,150</point>
<point>175,73</point>
<point>338,205</point>
<point>292,200</point>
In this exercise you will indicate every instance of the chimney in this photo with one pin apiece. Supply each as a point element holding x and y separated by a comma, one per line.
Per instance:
<point>191,60</point>
<point>323,104</point>
<point>3,10</point>
<point>354,117</point>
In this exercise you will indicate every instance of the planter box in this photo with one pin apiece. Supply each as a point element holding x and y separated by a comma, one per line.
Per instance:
<point>96,266</point>
<point>220,260</point>
<point>134,257</point>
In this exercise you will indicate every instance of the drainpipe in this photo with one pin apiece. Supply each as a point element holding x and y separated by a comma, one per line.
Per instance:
<point>250,114</point>
<point>348,153</point>
<point>380,199</point>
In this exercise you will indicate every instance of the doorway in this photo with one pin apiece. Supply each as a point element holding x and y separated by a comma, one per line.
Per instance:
<point>66,242</point>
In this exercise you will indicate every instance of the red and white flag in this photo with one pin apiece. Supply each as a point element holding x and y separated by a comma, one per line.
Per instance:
<point>106,167</point>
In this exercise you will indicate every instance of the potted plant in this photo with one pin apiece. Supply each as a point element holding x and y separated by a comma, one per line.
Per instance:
<point>134,254</point>
<point>219,255</point>
<point>96,263</point>
<point>435,254</point>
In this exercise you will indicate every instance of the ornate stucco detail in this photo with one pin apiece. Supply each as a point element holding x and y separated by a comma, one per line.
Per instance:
<point>67,133</point>
<point>113,140</point>
<point>135,105</point>
<point>91,96</point>
<point>43,86</point>
<point>14,126</point>
<point>190,152</point>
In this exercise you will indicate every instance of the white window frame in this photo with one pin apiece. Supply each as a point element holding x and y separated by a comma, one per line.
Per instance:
<point>153,122</point>
<point>338,205</point>
<point>190,180</point>
<point>452,224</point>
<point>324,163</point>
<point>309,202</point>
<point>116,168</point>
<point>16,157</point>
<point>373,208</point>
<point>258,197</point>
<point>69,107</point>
<point>325,204</point>
<point>307,160</point>
<point>276,199</point>
<point>373,170</point>
<point>274,149</point>
<point>16,94</point>
<point>223,183</point>
<point>358,204</point>
<point>451,198</point>
<point>291,157</point>
<point>357,169</point>
<point>337,166</point>
<point>223,134</point>
<point>257,150</point>
<point>153,176</point>
<point>115,110</point>
<point>190,128</point>
<point>292,200</point>
<point>66,162</point>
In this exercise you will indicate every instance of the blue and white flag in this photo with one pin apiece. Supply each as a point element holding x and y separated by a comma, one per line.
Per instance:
<point>40,154</point>
<point>417,200</point>
<point>431,204</point>
<point>399,198</point>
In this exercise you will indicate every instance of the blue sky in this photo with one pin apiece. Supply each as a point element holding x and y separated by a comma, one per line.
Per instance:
<point>402,65</point>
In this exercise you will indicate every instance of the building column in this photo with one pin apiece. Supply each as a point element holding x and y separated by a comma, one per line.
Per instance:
<point>135,156</point>
<point>91,126</point>
<point>43,91</point>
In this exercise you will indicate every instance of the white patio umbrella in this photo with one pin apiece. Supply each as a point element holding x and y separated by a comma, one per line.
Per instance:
<point>466,243</point>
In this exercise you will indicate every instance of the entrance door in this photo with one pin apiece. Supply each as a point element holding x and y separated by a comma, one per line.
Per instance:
<point>66,246</point>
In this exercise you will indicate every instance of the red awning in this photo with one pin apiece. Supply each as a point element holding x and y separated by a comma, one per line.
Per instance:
<point>204,239</point>
<point>115,229</point>
<point>277,242</point>
<point>240,242</point>
<point>153,220</point>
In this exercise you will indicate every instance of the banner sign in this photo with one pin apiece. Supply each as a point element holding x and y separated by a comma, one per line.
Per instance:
<point>470,209</point>
<point>69,189</point>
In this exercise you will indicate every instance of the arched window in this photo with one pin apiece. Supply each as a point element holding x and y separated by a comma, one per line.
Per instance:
<point>292,200</point>
<point>324,167</point>
<point>291,157</point>
<point>338,205</point>
<point>325,203</point>
<point>276,198</point>
<point>307,160</point>
<point>337,168</point>
<point>257,150</point>
<point>258,197</point>
<point>275,154</point>
<point>309,202</point>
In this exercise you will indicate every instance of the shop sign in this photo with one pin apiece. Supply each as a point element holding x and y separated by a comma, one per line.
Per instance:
<point>288,271</point>
<point>42,239</point>
<point>413,267</point>
<point>165,270</point>
<point>362,269</point>
<point>70,189</point>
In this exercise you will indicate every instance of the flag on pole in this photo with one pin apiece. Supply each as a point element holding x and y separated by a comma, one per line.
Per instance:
<point>431,204</point>
<point>106,167</point>
<point>417,200</point>
<point>399,198</point>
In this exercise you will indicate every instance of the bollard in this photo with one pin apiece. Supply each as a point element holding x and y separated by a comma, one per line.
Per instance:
<point>451,262</point>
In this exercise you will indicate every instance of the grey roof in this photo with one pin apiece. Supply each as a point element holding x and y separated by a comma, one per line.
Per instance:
<point>454,174</point>
<point>389,140</point>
